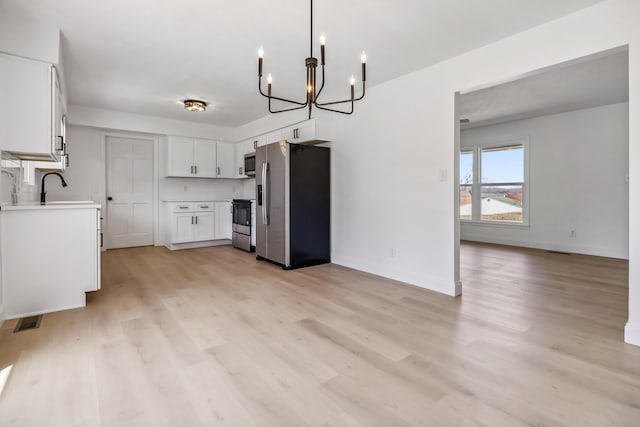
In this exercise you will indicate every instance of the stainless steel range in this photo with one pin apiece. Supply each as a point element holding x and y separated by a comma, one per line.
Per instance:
<point>243,225</point>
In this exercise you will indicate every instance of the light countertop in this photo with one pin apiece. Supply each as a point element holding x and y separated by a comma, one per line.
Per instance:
<point>51,206</point>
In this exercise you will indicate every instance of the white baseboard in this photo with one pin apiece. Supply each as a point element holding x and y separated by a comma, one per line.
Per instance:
<point>632,333</point>
<point>548,246</point>
<point>458,288</point>
<point>451,289</point>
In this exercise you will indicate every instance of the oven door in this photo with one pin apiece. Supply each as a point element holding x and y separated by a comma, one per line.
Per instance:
<point>242,218</point>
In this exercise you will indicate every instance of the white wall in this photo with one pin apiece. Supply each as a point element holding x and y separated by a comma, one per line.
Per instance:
<point>22,37</point>
<point>578,168</point>
<point>388,157</point>
<point>107,119</point>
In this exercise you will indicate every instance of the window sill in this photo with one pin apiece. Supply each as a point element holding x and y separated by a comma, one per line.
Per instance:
<point>495,224</point>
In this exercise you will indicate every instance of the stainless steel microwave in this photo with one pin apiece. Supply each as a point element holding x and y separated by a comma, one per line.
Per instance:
<point>250,164</point>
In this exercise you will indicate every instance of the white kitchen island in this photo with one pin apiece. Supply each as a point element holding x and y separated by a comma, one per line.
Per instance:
<point>50,256</point>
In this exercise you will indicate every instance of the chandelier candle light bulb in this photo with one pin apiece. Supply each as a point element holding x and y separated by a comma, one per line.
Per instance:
<point>313,89</point>
<point>260,56</point>
<point>352,82</point>
<point>363,57</point>
<point>323,41</point>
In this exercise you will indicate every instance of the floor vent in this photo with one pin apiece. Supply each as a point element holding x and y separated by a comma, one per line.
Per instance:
<point>26,323</point>
<point>559,253</point>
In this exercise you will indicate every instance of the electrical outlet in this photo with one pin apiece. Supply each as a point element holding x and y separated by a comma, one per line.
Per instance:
<point>572,233</point>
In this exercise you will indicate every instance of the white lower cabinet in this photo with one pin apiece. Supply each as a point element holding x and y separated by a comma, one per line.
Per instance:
<point>50,257</point>
<point>182,224</point>
<point>223,229</point>
<point>204,227</point>
<point>198,223</point>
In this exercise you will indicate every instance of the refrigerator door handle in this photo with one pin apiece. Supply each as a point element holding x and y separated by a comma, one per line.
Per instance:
<point>265,194</point>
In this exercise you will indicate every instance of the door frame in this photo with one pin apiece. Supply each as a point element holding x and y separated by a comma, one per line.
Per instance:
<point>155,141</point>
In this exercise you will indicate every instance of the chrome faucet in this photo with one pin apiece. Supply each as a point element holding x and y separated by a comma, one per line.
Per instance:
<point>14,188</point>
<point>43,193</point>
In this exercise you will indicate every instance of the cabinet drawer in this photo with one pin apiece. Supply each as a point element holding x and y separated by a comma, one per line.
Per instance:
<point>204,207</point>
<point>182,207</point>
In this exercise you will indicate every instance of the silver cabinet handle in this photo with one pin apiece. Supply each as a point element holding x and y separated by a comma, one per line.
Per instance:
<point>218,170</point>
<point>191,170</point>
<point>196,220</point>
<point>183,207</point>
<point>195,169</point>
<point>192,220</point>
<point>240,171</point>
<point>204,206</point>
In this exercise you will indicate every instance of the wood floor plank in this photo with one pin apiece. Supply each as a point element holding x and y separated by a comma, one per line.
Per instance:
<point>212,337</point>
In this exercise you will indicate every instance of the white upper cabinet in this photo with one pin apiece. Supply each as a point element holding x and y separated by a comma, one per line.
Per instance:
<point>180,156</point>
<point>275,136</point>
<point>301,132</point>
<point>192,158</point>
<point>30,109</point>
<point>246,147</point>
<point>205,163</point>
<point>314,130</point>
<point>226,160</point>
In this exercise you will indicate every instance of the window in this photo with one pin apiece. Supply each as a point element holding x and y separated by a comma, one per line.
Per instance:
<point>494,175</point>
<point>466,185</point>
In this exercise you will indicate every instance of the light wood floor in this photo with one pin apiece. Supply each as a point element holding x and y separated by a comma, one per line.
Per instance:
<point>211,337</point>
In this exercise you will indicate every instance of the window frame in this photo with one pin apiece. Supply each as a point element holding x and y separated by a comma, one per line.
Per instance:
<point>476,186</point>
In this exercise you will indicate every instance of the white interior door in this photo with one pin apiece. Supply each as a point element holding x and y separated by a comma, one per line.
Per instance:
<point>130,219</point>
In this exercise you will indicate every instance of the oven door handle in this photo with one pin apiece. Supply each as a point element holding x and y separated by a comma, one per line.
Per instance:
<point>265,193</point>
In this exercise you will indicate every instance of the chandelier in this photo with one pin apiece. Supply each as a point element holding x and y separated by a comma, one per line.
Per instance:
<point>313,93</point>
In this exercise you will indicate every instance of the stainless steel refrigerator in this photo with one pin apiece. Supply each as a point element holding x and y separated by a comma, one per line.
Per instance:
<point>293,193</point>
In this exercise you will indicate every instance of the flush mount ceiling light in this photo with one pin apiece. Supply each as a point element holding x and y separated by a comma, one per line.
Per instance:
<point>195,105</point>
<point>313,94</point>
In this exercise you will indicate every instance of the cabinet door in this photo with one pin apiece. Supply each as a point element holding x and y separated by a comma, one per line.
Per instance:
<point>223,220</point>
<point>57,139</point>
<point>182,227</point>
<point>226,160</point>
<point>205,158</point>
<point>204,226</point>
<point>258,141</point>
<point>26,108</point>
<point>302,132</point>
<point>179,157</point>
<point>270,138</point>
<point>239,155</point>
<point>240,152</point>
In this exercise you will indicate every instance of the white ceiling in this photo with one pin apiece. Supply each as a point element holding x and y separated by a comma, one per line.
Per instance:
<point>145,56</point>
<point>589,82</point>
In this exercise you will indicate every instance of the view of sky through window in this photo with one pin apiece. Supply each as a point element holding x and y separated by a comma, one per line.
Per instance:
<point>502,165</point>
